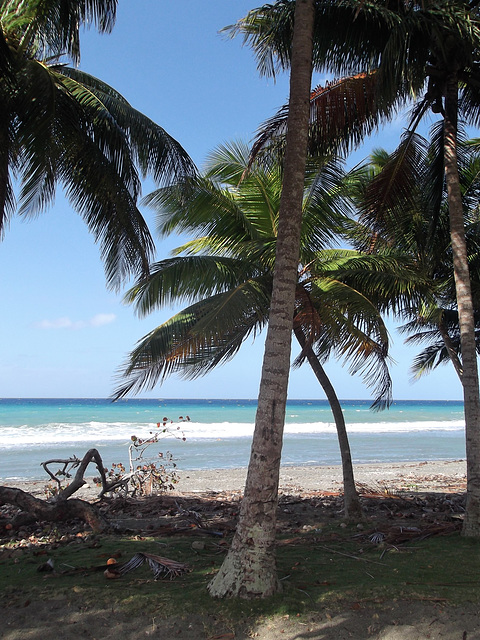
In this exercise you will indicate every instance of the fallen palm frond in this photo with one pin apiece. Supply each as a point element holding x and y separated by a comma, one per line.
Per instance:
<point>378,490</point>
<point>398,535</point>
<point>161,567</point>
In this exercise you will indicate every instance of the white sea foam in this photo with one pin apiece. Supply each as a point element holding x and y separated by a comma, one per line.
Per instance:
<point>377,427</point>
<point>98,432</point>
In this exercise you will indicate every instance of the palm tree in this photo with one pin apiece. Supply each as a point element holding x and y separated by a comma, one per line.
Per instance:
<point>60,125</point>
<point>226,272</point>
<point>407,48</point>
<point>249,569</point>
<point>415,221</point>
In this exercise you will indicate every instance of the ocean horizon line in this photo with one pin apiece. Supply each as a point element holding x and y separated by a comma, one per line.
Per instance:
<point>177,399</point>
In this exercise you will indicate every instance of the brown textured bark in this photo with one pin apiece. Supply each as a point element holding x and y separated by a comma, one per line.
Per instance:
<point>78,481</point>
<point>471,395</point>
<point>249,570</point>
<point>351,500</point>
<point>36,509</point>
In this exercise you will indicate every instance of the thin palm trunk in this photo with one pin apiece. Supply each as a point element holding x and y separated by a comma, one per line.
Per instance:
<point>471,396</point>
<point>447,341</point>
<point>249,569</point>
<point>352,506</point>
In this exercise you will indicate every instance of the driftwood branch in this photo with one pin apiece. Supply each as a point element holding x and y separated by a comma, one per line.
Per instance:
<point>59,507</point>
<point>37,509</point>
<point>73,462</point>
<point>78,481</point>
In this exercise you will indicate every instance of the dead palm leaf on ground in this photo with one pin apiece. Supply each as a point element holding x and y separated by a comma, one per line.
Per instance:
<point>161,567</point>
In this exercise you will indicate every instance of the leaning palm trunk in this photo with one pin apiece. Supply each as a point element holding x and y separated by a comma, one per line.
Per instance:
<point>352,506</point>
<point>451,350</point>
<point>471,396</point>
<point>249,569</point>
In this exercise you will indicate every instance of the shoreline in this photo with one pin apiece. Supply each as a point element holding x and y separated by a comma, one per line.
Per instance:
<point>420,476</point>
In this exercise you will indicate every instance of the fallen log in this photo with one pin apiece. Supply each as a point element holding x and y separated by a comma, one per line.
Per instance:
<point>35,509</point>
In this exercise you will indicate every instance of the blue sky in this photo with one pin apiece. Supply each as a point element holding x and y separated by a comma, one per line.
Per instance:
<point>64,334</point>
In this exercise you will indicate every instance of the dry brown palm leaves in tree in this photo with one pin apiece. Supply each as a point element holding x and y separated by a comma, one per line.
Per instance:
<point>342,113</point>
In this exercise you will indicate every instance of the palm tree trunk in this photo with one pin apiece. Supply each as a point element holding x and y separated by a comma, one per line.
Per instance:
<point>452,352</point>
<point>471,526</point>
<point>249,569</point>
<point>351,500</point>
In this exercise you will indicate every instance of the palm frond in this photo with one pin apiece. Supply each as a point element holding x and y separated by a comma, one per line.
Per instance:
<point>198,338</point>
<point>429,359</point>
<point>226,164</point>
<point>198,206</point>
<point>188,278</point>
<point>7,158</point>
<point>154,151</point>
<point>469,102</point>
<point>232,220</point>
<point>327,208</point>
<point>342,113</point>
<point>358,34</point>
<point>7,64</point>
<point>161,567</point>
<point>390,280</point>
<point>340,321</point>
<point>395,187</point>
<point>433,187</point>
<point>53,26</point>
<point>268,30</point>
<point>108,209</point>
<point>95,120</point>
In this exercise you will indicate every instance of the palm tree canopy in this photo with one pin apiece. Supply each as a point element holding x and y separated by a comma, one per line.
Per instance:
<point>50,27</point>
<point>404,205</point>
<point>405,41</point>
<point>441,44</point>
<point>62,126</point>
<point>383,54</point>
<point>225,274</point>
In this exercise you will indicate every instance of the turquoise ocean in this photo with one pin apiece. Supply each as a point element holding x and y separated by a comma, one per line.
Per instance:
<point>218,433</point>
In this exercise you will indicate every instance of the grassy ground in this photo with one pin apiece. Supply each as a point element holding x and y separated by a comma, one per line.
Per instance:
<point>318,570</point>
<point>402,573</point>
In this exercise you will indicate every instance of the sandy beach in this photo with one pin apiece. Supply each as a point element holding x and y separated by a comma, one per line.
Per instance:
<point>411,475</point>
<point>442,476</point>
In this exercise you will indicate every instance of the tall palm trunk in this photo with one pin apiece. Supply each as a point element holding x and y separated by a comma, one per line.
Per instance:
<point>351,501</point>
<point>471,526</point>
<point>249,569</point>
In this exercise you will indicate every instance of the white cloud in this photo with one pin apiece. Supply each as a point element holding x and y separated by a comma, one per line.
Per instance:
<point>60,323</point>
<point>102,318</point>
<point>64,322</point>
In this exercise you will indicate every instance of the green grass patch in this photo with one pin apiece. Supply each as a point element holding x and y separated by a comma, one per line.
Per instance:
<point>316,571</point>
<point>327,572</point>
